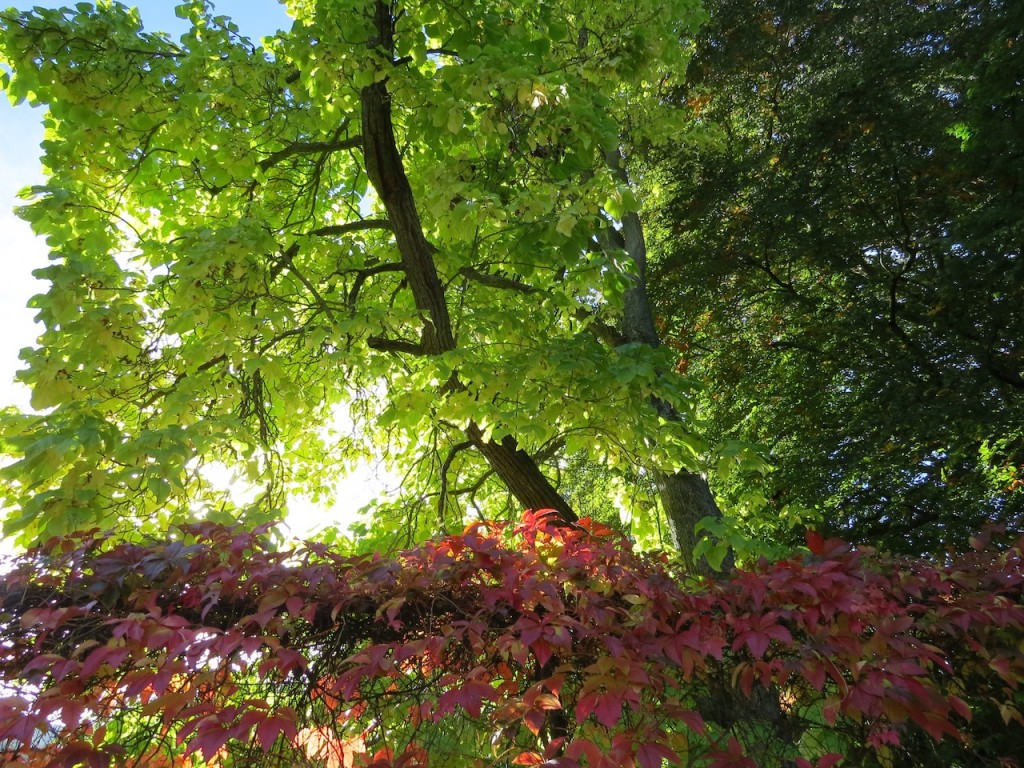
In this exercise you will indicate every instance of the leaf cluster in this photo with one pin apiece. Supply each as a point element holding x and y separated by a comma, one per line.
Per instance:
<point>538,644</point>
<point>227,286</point>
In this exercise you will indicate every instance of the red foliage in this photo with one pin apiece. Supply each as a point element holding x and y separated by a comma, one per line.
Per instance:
<point>568,646</point>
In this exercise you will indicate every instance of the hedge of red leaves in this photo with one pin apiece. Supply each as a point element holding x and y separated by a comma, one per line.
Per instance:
<point>507,645</point>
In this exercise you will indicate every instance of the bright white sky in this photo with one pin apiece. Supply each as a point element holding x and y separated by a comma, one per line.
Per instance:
<point>21,252</point>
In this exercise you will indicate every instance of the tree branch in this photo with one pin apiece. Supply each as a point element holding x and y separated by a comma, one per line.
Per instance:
<point>351,226</point>
<point>385,169</point>
<point>497,281</point>
<point>287,260</point>
<point>446,465</point>
<point>353,295</point>
<point>609,334</point>
<point>386,172</point>
<point>307,148</point>
<point>404,346</point>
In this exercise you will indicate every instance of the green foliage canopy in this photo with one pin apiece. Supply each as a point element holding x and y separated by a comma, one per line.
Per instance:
<point>841,262</point>
<point>239,265</point>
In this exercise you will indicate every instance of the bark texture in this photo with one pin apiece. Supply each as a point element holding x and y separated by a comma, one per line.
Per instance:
<point>521,475</point>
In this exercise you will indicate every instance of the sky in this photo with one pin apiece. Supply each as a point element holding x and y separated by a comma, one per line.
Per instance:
<point>21,252</point>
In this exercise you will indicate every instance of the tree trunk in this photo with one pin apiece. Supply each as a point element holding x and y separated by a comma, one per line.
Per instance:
<point>685,496</point>
<point>386,172</point>
<point>520,473</point>
<point>687,499</point>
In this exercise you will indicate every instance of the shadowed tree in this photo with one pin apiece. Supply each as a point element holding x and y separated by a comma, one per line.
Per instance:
<point>841,262</point>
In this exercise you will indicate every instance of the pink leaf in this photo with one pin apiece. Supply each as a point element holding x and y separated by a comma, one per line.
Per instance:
<point>758,643</point>
<point>960,707</point>
<point>208,740</point>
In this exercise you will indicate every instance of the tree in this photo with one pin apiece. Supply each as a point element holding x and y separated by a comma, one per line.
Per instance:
<point>415,215</point>
<point>533,644</point>
<point>422,216</point>
<point>840,258</point>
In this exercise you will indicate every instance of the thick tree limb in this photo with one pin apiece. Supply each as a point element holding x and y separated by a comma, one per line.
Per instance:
<point>387,174</point>
<point>609,334</point>
<point>520,473</point>
<point>361,277</point>
<point>497,281</point>
<point>403,346</point>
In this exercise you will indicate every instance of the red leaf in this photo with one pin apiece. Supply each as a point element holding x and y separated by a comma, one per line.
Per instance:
<point>413,757</point>
<point>733,757</point>
<point>105,654</point>
<point>743,675</point>
<point>960,707</point>
<point>815,542</point>
<point>829,760</point>
<point>390,610</point>
<point>814,673</point>
<point>830,711</point>
<point>757,642</point>
<point>544,701</point>
<point>1001,665</point>
<point>271,601</point>
<point>651,754</point>
<point>585,705</point>
<point>693,721</point>
<point>584,747</point>
<point>542,651</point>
<point>596,529</point>
<point>609,709</point>
<point>208,740</point>
<point>469,697</point>
<point>534,720</point>
<point>554,748</point>
<point>268,731</point>
<point>77,753</point>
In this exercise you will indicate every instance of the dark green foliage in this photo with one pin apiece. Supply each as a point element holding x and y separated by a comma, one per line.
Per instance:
<point>843,259</point>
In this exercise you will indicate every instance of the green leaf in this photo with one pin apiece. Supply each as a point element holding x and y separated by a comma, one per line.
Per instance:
<point>566,224</point>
